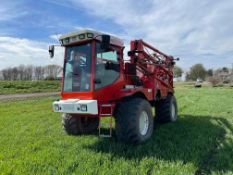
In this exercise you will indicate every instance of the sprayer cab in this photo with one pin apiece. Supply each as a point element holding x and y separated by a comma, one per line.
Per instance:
<point>97,82</point>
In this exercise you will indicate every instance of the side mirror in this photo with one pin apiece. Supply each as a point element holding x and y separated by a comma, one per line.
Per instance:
<point>105,43</point>
<point>51,51</point>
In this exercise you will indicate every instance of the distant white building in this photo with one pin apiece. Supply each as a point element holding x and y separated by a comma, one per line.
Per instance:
<point>180,79</point>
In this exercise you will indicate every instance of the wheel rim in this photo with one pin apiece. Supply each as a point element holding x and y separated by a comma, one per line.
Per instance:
<point>173,112</point>
<point>143,123</point>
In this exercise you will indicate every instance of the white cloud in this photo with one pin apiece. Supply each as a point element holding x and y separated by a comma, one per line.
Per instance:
<point>183,28</point>
<point>16,51</point>
<point>9,10</point>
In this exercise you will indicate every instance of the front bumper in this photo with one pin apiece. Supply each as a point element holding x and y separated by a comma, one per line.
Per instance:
<point>76,106</point>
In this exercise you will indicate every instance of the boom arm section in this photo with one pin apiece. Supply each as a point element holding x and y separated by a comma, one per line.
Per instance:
<point>151,62</point>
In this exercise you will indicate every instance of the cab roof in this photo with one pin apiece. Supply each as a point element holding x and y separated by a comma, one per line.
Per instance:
<point>82,35</point>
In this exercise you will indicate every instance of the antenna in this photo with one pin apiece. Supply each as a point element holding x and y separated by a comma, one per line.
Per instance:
<point>58,38</point>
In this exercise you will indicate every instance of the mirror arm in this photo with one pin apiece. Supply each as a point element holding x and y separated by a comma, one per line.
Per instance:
<point>51,50</point>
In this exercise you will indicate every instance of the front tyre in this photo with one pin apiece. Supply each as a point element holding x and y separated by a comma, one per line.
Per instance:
<point>76,125</point>
<point>134,121</point>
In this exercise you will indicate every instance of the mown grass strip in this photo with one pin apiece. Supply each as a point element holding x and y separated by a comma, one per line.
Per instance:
<point>17,87</point>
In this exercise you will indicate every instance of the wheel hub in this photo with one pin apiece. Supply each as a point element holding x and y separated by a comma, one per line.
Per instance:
<point>143,123</point>
<point>173,112</point>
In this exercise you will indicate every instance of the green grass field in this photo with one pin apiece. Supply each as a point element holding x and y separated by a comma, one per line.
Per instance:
<point>19,87</point>
<point>200,142</point>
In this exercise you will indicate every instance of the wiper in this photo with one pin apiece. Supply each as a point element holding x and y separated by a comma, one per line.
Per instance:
<point>75,74</point>
<point>97,81</point>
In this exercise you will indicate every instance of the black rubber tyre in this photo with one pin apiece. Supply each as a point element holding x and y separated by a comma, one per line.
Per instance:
<point>127,116</point>
<point>164,110</point>
<point>75,125</point>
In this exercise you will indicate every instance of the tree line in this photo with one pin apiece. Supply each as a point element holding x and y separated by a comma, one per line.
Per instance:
<point>51,72</point>
<point>30,72</point>
<point>198,71</point>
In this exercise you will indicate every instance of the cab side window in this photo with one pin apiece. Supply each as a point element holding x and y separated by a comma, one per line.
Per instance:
<point>107,67</point>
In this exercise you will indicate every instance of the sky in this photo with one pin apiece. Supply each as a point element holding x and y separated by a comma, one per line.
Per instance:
<point>195,31</point>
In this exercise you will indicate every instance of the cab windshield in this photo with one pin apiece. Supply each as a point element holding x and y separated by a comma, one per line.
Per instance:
<point>77,68</point>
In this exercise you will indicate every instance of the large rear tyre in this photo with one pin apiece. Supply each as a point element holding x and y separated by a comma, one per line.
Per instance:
<point>76,125</point>
<point>134,121</point>
<point>166,110</point>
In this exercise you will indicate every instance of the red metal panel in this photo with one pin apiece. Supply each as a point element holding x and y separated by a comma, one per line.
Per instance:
<point>63,73</point>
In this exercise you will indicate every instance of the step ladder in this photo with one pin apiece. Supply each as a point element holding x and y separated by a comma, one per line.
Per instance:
<point>105,115</point>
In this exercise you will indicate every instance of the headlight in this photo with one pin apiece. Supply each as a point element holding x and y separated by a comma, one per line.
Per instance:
<point>56,107</point>
<point>81,36</point>
<point>90,35</point>
<point>83,107</point>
